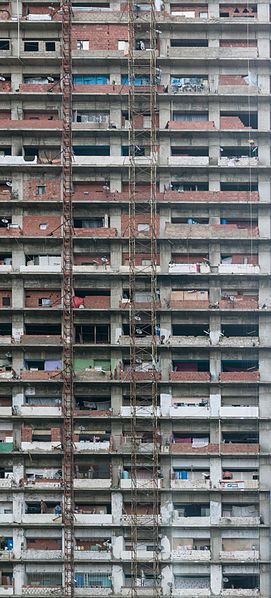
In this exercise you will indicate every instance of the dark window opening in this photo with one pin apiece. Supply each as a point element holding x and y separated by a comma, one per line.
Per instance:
<point>42,329</point>
<point>5,151</point>
<point>191,116</point>
<point>192,510</point>
<point>240,581</point>
<point>50,46</point>
<point>93,403</point>
<point>91,150</point>
<point>5,329</point>
<point>239,366</point>
<point>191,151</point>
<point>41,189</point>
<point>5,301</point>
<point>190,366</point>
<point>92,293</point>
<point>186,43</point>
<point>189,221</point>
<point>240,437</point>
<point>181,187</point>
<point>96,334</point>
<point>240,330</point>
<point>4,44</point>
<point>190,329</point>
<point>31,46</point>
<point>142,329</point>
<point>238,152</point>
<point>89,223</point>
<point>249,119</point>
<point>239,186</point>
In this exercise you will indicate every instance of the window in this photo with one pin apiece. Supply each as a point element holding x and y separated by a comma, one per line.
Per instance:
<point>80,116</point>
<point>4,44</point>
<point>82,44</point>
<point>50,46</point>
<point>91,79</point>
<point>190,116</point>
<point>31,46</point>
<point>123,45</point>
<point>43,226</point>
<point>6,301</point>
<point>143,227</point>
<point>41,189</point>
<point>44,302</point>
<point>203,15</point>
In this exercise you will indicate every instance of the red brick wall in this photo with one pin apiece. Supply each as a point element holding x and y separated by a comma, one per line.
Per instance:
<point>243,10</point>
<point>41,114</point>
<point>232,122</point>
<point>56,435</point>
<point>140,219</point>
<point>43,544</point>
<point>97,302</point>
<point>5,294</point>
<point>205,196</point>
<point>5,85</point>
<point>39,87</point>
<point>32,297</point>
<point>52,189</point>
<point>26,434</point>
<point>31,225</point>
<point>191,124</point>
<point>5,114</point>
<point>100,37</point>
<point>95,232</point>
<point>190,376</point>
<point>232,80</point>
<point>38,9</point>
<point>242,376</point>
<point>239,259</point>
<point>241,43</point>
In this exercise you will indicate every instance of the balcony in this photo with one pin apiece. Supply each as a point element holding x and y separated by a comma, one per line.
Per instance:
<point>238,269</point>
<point>191,521</point>
<point>41,518</point>
<point>194,593</point>
<point>100,268</point>
<point>208,231</point>
<point>40,339</point>
<point>92,555</point>
<point>141,484</point>
<point>140,591</point>
<point>239,412</point>
<point>190,555</point>
<point>17,161</point>
<point>242,593</point>
<point>97,447</point>
<point>46,555</point>
<point>188,268</point>
<point>41,446</point>
<point>39,411</point>
<point>141,520</point>
<point>92,591</point>
<point>126,376</point>
<point>42,591</point>
<point>93,519</point>
<point>6,590</point>
<point>243,162</point>
<point>42,484</point>
<point>141,411</point>
<point>239,376</point>
<point>141,555</point>
<point>96,232</point>
<point>92,375</point>
<point>190,376</point>
<point>211,196</point>
<point>240,521</point>
<point>93,484</point>
<point>187,161</point>
<point>239,484</point>
<point>190,484</point>
<point>239,555</point>
<point>197,412</point>
<point>7,483</point>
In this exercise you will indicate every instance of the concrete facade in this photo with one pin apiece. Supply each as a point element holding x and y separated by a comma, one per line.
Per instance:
<point>213,305</point>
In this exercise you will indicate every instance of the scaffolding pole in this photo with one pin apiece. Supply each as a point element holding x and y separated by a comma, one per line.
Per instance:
<point>142,104</point>
<point>68,473</point>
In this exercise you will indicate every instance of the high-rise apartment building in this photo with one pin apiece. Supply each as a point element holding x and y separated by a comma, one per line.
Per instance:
<point>208,460</point>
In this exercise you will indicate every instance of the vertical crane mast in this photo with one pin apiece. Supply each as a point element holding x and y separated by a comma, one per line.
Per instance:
<point>68,506</point>
<point>142,100</point>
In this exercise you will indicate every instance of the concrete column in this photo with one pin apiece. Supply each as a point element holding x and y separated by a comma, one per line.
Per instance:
<point>116,506</point>
<point>264,188</point>
<point>213,9</point>
<point>116,399</point>
<point>116,255</point>
<point>216,579</point>
<point>18,506</point>
<point>215,361</point>
<point>18,578</point>
<point>115,218</point>
<point>118,578</point>
<point>116,293</point>
<point>164,115</point>
<point>215,474</point>
<point>263,10</point>
<point>115,115</point>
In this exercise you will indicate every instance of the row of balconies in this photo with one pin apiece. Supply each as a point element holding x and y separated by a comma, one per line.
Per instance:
<point>52,50</point>
<point>249,412</point>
